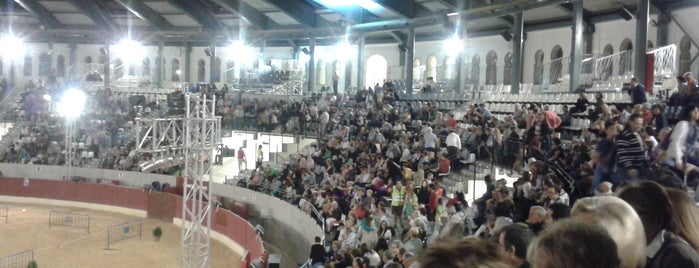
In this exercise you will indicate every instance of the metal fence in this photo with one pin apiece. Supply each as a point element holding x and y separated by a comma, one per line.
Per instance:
<point>17,260</point>
<point>124,231</point>
<point>70,219</point>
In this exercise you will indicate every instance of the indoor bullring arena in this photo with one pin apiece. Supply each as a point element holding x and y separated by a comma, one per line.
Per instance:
<point>349,133</point>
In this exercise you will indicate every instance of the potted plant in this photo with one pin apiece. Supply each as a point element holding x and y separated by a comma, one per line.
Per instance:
<point>157,233</point>
<point>32,264</point>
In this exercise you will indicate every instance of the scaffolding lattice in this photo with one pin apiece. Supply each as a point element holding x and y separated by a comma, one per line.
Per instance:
<point>194,137</point>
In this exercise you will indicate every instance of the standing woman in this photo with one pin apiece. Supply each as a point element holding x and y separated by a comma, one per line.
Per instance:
<point>683,142</point>
<point>410,201</point>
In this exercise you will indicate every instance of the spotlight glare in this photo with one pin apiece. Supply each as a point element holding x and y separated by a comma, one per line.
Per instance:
<point>343,51</point>
<point>128,50</point>
<point>453,45</point>
<point>72,103</point>
<point>12,47</point>
<point>47,97</point>
<point>239,52</point>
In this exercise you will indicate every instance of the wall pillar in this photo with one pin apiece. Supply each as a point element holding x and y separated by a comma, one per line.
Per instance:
<point>640,46</point>
<point>410,46</point>
<point>576,51</point>
<point>517,59</point>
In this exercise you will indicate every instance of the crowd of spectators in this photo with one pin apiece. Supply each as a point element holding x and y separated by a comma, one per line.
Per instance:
<point>604,197</point>
<point>377,171</point>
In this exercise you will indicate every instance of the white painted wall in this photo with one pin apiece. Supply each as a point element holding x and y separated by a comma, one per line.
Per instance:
<point>612,32</point>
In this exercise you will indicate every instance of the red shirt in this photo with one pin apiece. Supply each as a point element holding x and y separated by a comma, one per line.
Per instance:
<point>444,165</point>
<point>434,202</point>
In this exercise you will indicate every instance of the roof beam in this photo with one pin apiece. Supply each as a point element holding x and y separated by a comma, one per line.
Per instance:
<point>568,7</point>
<point>502,9</point>
<point>198,11</point>
<point>406,8</point>
<point>454,4</point>
<point>298,10</point>
<point>670,7</point>
<point>41,13</point>
<point>144,12</point>
<point>93,11</point>
<point>245,12</point>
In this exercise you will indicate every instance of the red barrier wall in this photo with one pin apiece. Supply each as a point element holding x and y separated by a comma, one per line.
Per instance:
<point>224,221</point>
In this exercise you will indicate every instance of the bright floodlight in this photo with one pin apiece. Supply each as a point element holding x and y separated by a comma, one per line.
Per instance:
<point>453,45</point>
<point>343,50</point>
<point>128,51</point>
<point>12,47</point>
<point>72,103</point>
<point>47,97</point>
<point>239,52</point>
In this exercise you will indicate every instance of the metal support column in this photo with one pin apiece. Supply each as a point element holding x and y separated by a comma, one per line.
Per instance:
<point>107,67</point>
<point>640,46</point>
<point>588,38</point>
<point>312,65</point>
<point>213,76</point>
<point>517,58</point>
<point>348,75</point>
<point>457,63</point>
<point>187,63</point>
<point>663,25</point>
<point>159,64</point>
<point>360,63</point>
<point>263,50</point>
<point>576,52</point>
<point>71,57</point>
<point>410,46</point>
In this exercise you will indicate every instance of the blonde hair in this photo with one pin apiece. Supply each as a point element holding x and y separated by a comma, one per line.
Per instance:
<point>685,216</point>
<point>621,222</point>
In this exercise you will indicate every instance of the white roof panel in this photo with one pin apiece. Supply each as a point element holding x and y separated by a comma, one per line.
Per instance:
<point>163,7</point>
<point>181,20</point>
<point>73,18</point>
<point>281,18</point>
<point>59,6</point>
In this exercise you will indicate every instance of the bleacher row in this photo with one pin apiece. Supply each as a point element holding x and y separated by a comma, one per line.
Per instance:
<point>558,98</point>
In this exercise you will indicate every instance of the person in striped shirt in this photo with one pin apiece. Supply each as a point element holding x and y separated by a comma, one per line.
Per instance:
<point>630,153</point>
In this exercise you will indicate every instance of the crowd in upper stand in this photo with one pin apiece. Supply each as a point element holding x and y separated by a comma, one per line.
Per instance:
<point>382,171</point>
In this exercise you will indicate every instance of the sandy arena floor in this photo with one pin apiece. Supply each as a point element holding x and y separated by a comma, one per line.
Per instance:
<point>28,228</point>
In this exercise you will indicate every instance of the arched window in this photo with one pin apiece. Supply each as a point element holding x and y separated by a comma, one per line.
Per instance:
<point>507,69</point>
<point>491,68</point>
<point>556,64</point>
<point>685,55</point>
<point>431,67</point>
<point>175,70</point>
<point>321,72</point>
<point>88,59</point>
<point>449,65</point>
<point>146,67</point>
<point>216,71</point>
<point>626,59</point>
<point>417,70</point>
<point>377,68</point>
<point>230,71</point>
<point>201,71</point>
<point>44,64</point>
<point>476,70</point>
<point>538,67</point>
<point>118,68</point>
<point>27,66</point>
<point>60,66</point>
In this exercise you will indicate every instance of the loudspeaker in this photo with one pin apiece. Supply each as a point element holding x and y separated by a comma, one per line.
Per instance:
<point>506,34</point>
<point>625,13</point>
<point>207,51</point>
<point>402,48</point>
<point>103,51</point>
<point>306,51</point>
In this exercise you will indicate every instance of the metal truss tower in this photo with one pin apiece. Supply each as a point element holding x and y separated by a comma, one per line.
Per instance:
<point>193,138</point>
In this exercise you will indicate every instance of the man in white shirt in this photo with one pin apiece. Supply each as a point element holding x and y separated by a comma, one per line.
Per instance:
<point>453,143</point>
